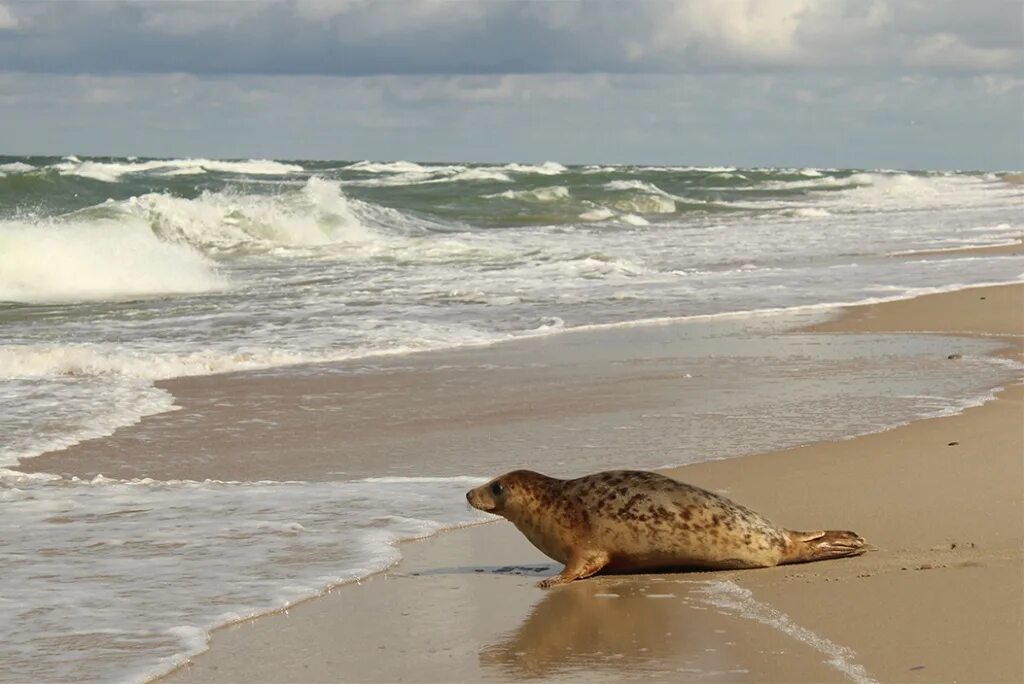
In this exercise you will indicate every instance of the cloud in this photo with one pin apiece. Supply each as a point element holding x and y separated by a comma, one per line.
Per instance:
<point>494,88</point>
<point>947,50</point>
<point>792,119</point>
<point>7,19</point>
<point>366,37</point>
<point>875,83</point>
<point>741,32</point>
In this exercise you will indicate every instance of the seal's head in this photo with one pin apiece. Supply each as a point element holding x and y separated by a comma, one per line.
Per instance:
<point>505,494</point>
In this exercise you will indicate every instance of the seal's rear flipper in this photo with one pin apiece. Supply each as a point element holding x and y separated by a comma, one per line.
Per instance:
<point>804,547</point>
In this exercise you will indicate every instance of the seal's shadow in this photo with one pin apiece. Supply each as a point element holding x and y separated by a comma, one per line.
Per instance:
<point>539,570</point>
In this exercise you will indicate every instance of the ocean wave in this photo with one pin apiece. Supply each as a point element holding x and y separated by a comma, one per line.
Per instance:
<point>15,168</point>
<point>551,193</point>
<point>729,174</point>
<point>903,184</point>
<point>160,243</point>
<point>874,191</point>
<point>98,360</point>
<point>78,261</point>
<point>111,172</point>
<point>367,166</point>
<point>548,168</point>
<point>893,184</point>
<point>318,213</point>
<point>395,174</point>
<point>806,212</point>
<point>646,204</point>
<point>809,183</point>
<point>477,174</point>
<point>597,214</point>
<point>642,186</point>
<point>650,199</point>
<point>685,169</point>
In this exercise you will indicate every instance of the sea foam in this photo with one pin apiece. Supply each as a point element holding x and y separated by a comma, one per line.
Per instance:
<point>87,549</point>
<point>63,261</point>
<point>111,172</point>
<point>317,214</point>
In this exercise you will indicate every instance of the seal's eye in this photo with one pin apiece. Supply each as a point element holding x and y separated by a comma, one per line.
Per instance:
<point>497,489</point>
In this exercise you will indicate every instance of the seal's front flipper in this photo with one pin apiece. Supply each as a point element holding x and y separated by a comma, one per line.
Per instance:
<point>804,547</point>
<point>578,567</point>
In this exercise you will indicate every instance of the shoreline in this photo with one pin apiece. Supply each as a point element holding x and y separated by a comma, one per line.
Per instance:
<point>175,385</point>
<point>964,562</point>
<point>93,449</point>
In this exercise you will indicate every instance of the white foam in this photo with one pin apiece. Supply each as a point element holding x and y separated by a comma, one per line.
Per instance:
<point>252,167</point>
<point>634,220</point>
<point>387,167</point>
<point>92,359</point>
<point>961,247</point>
<point>111,172</point>
<point>478,174</point>
<point>43,414</point>
<point>317,214</point>
<point>650,198</point>
<point>806,212</point>
<point>74,260</point>
<point>188,557</point>
<point>646,204</point>
<point>551,193</point>
<point>548,168</point>
<point>728,596</point>
<point>898,295</point>
<point>15,167</point>
<point>729,174</point>
<point>643,186</point>
<point>598,214</point>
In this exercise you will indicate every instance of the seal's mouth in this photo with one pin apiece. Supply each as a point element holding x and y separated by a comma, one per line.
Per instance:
<point>481,503</point>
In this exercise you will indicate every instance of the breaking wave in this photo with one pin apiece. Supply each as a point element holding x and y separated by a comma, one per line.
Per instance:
<point>159,243</point>
<point>111,172</point>
<point>548,168</point>
<point>552,193</point>
<point>15,167</point>
<point>77,261</point>
<point>316,214</point>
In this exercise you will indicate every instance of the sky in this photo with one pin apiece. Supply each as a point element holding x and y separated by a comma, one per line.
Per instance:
<point>825,83</point>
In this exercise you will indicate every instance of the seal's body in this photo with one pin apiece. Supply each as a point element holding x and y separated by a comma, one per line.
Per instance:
<point>632,521</point>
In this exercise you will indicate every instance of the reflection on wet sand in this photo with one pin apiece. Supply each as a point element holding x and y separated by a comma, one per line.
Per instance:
<point>617,625</point>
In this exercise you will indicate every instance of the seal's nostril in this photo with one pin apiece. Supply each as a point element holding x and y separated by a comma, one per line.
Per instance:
<point>469,496</point>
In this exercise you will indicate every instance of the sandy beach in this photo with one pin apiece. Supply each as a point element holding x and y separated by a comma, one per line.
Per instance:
<point>938,600</point>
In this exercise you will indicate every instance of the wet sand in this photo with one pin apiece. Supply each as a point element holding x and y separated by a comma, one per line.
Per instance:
<point>939,600</point>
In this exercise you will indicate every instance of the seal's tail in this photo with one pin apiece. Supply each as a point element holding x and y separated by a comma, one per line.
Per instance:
<point>804,547</point>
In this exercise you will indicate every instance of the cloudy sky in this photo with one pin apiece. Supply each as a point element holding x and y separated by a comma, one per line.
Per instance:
<point>861,83</point>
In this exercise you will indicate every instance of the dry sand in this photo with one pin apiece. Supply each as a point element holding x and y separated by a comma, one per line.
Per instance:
<point>939,600</point>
